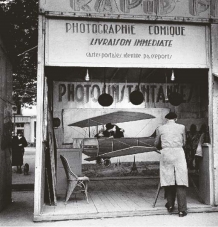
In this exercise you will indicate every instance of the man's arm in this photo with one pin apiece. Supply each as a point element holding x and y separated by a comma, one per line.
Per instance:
<point>184,136</point>
<point>157,142</point>
<point>24,142</point>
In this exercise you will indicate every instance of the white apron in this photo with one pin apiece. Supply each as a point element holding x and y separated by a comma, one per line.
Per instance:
<point>173,166</point>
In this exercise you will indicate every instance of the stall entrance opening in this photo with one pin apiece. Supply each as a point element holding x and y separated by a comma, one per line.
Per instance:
<point>122,177</point>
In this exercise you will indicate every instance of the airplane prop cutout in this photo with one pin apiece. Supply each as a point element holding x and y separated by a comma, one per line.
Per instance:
<point>102,149</point>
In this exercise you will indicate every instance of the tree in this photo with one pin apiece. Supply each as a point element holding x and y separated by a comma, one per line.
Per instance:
<point>21,37</point>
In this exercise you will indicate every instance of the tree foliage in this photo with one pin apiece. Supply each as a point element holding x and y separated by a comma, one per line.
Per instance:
<point>21,37</point>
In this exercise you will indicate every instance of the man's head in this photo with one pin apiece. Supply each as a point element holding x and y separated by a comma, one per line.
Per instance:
<point>171,116</point>
<point>109,126</point>
<point>193,128</point>
<point>19,134</point>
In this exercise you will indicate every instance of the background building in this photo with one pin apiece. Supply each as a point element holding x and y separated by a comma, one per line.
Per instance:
<point>26,123</point>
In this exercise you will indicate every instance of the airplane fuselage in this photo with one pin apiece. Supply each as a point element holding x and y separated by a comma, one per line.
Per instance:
<point>94,147</point>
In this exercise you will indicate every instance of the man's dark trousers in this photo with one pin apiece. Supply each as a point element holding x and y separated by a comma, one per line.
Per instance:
<point>180,191</point>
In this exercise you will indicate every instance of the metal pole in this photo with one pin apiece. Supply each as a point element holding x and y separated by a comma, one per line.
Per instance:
<point>89,128</point>
<point>14,124</point>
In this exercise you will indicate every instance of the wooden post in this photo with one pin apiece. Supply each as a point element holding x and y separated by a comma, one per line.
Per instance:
<point>39,177</point>
<point>52,153</point>
<point>157,194</point>
<point>213,111</point>
<point>47,182</point>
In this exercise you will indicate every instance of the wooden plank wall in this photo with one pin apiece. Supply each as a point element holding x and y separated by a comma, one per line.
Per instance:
<point>5,127</point>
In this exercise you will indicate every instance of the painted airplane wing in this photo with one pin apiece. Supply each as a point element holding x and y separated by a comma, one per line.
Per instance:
<point>114,117</point>
<point>125,151</point>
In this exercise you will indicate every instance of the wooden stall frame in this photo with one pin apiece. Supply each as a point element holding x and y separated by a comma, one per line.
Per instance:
<point>211,133</point>
<point>213,111</point>
<point>210,110</point>
<point>40,132</point>
<point>42,124</point>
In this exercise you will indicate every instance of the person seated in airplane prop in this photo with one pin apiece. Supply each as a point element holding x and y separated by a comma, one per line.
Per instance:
<point>112,131</point>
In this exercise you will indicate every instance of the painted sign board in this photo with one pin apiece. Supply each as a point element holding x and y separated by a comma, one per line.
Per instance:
<point>185,10</point>
<point>110,44</point>
<point>85,95</point>
<point>24,119</point>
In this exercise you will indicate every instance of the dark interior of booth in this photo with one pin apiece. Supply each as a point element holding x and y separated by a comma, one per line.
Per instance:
<point>193,106</point>
<point>165,76</point>
<point>131,75</point>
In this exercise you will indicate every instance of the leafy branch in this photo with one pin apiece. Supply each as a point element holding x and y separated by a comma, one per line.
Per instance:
<point>21,38</point>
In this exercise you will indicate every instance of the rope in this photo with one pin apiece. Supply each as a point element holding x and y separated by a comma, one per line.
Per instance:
<point>144,127</point>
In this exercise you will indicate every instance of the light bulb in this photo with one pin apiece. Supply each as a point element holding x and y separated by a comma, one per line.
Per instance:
<point>172,76</point>
<point>87,78</point>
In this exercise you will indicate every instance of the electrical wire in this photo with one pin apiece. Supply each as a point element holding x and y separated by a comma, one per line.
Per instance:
<point>27,51</point>
<point>7,101</point>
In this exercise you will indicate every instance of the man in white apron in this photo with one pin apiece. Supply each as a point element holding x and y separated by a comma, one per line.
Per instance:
<point>173,166</point>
